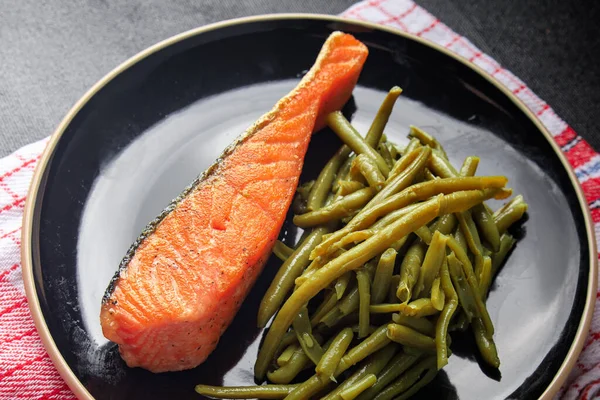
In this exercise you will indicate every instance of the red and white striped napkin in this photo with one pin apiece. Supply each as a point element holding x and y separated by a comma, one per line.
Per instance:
<point>26,371</point>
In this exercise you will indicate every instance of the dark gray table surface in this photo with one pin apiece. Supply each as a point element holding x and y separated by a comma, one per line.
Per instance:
<point>52,51</point>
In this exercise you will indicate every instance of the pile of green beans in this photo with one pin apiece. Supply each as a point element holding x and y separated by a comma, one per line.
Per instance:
<point>399,251</point>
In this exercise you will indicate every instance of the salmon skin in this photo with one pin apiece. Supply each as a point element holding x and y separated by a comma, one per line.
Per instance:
<point>182,281</point>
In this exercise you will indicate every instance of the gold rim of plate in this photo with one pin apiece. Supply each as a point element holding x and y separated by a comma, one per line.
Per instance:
<point>26,254</point>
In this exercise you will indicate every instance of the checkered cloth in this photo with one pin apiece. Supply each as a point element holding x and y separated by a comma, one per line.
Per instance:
<point>26,371</point>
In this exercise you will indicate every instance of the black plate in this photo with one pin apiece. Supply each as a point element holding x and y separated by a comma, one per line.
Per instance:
<point>140,137</point>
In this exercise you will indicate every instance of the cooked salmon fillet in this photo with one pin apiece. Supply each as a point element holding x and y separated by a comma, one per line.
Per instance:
<point>182,282</point>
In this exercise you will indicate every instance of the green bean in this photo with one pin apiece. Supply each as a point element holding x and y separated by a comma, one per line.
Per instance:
<point>410,337</point>
<point>485,222</point>
<point>395,150</point>
<point>282,251</point>
<point>413,144</point>
<point>409,270</point>
<point>418,308</point>
<point>473,285</point>
<point>443,321</point>
<point>353,238</point>
<point>503,193</point>
<point>396,367</point>
<point>286,355</point>
<point>286,373</point>
<point>487,252</point>
<point>424,233</point>
<point>467,224</point>
<point>393,216</point>
<point>485,280</point>
<point>395,202</point>
<point>431,264</point>
<point>506,244</point>
<point>485,343</point>
<point>332,317</point>
<point>283,281</point>
<point>307,273</point>
<point>323,314</point>
<point>348,187</point>
<point>364,291</point>
<point>460,322</point>
<point>421,325</point>
<point>331,358</point>
<point>307,389</point>
<point>383,115</point>
<point>383,274</point>
<point>445,224</point>
<point>459,237</point>
<point>480,214</point>
<point>349,260</point>
<point>463,290</point>
<point>322,187</point>
<point>341,284</point>
<point>407,380</point>
<point>304,190</point>
<point>298,205</point>
<point>335,211</point>
<point>401,165</point>
<point>348,218</point>
<point>375,341</point>
<point>472,236</point>
<point>438,297</point>
<point>407,197</point>
<point>328,303</point>
<point>385,308</point>
<point>373,365</point>
<point>465,199</point>
<point>369,170</point>
<point>289,338</point>
<point>394,282</point>
<point>440,166</point>
<point>510,213</point>
<point>352,392</point>
<point>356,257</point>
<point>350,302</point>
<point>354,174</point>
<point>408,167</point>
<point>342,173</point>
<point>303,329</point>
<point>489,209</point>
<point>406,162</point>
<point>413,351</point>
<point>246,392</point>
<point>380,354</point>
<point>427,140</point>
<point>428,377</point>
<point>349,305</point>
<point>428,175</point>
<point>346,132</point>
<point>318,263</point>
<point>385,152</point>
<point>469,166</point>
<point>372,328</point>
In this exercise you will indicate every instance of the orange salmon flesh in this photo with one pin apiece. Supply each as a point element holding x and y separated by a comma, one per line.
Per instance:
<point>180,285</point>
